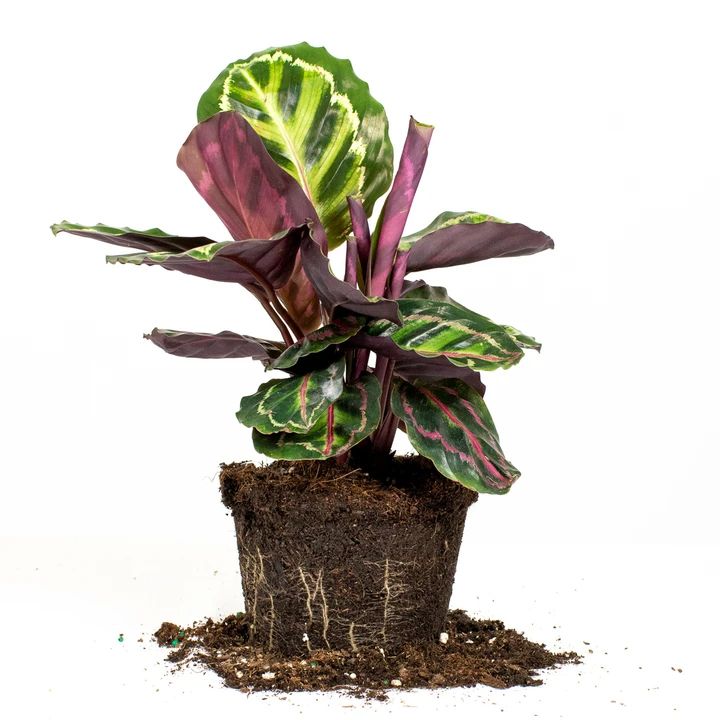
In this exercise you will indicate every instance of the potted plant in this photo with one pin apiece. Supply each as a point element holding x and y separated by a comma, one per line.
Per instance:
<point>341,544</point>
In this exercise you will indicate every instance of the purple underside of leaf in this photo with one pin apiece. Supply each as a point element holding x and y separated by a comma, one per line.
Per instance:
<point>225,344</point>
<point>134,239</point>
<point>398,202</point>
<point>230,167</point>
<point>411,366</point>
<point>470,242</point>
<point>361,231</point>
<point>242,262</point>
<point>338,296</point>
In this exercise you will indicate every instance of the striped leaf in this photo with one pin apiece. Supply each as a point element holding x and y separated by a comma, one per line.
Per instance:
<point>225,344</point>
<point>250,262</point>
<point>348,421</point>
<point>315,342</point>
<point>432,328</point>
<point>448,422</point>
<point>292,404</point>
<point>457,238</point>
<point>317,120</point>
<point>152,240</point>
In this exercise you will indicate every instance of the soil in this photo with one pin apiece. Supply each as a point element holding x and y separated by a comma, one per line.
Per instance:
<point>339,558</point>
<point>476,652</point>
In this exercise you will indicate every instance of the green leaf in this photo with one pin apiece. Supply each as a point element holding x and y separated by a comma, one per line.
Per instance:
<point>432,328</point>
<point>315,342</point>
<point>445,220</point>
<point>348,421</point>
<point>449,423</point>
<point>293,404</point>
<point>318,122</point>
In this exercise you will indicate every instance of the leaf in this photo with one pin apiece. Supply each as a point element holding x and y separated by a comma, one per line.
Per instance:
<point>229,166</point>
<point>317,120</point>
<point>152,240</point>
<point>336,295</point>
<point>449,423</point>
<point>398,202</point>
<point>459,238</point>
<point>317,341</point>
<point>432,328</point>
<point>348,421</point>
<point>361,231</point>
<point>225,344</point>
<point>411,366</point>
<point>293,404</point>
<point>249,262</point>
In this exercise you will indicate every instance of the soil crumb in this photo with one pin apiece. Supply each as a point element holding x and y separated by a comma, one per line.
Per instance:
<point>469,652</point>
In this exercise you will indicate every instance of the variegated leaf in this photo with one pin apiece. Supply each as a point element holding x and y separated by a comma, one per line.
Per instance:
<point>457,238</point>
<point>152,240</point>
<point>317,120</point>
<point>433,328</point>
<point>411,366</point>
<point>449,423</point>
<point>225,344</point>
<point>335,333</point>
<point>348,421</point>
<point>292,404</point>
<point>230,261</point>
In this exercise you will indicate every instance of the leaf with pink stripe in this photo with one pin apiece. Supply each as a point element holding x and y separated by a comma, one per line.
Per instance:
<point>348,421</point>
<point>294,404</point>
<point>449,423</point>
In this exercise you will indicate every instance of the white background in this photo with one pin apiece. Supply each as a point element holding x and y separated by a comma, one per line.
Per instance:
<point>595,122</point>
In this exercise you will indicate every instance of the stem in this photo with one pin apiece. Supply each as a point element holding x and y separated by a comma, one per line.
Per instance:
<point>287,317</point>
<point>287,337</point>
<point>273,306</point>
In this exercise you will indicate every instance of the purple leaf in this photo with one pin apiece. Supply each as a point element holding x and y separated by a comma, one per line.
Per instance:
<point>224,344</point>
<point>250,262</point>
<point>361,231</point>
<point>336,295</point>
<point>229,166</point>
<point>152,240</point>
<point>398,202</point>
<point>351,261</point>
<point>469,242</point>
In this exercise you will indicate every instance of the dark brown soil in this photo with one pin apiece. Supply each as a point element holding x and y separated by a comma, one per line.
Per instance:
<point>476,652</point>
<point>337,558</point>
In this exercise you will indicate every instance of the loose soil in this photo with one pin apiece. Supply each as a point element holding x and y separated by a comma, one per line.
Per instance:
<point>476,652</point>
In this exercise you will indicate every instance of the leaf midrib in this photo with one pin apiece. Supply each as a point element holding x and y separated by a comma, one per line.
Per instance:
<point>278,120</point>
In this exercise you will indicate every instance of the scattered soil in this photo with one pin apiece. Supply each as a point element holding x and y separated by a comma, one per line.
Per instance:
<point>341,558</point>
<point>476,652</point>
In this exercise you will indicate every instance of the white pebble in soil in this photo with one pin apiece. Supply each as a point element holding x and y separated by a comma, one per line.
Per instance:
<point>444,637</point>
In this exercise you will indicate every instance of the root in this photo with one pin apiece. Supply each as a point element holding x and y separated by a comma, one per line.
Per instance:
<point>310,598</point>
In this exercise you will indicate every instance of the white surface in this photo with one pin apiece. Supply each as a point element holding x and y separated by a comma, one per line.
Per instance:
<point>642,610</point>
<point>594,122</point>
